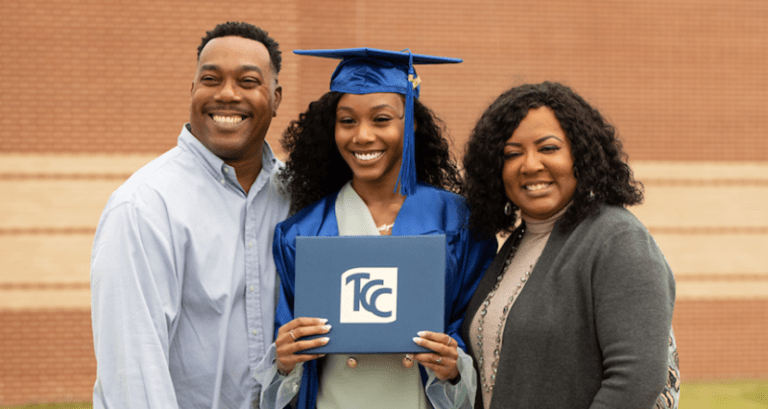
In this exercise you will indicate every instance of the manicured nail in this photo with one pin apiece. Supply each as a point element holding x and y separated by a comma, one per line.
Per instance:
<point>323,320</point>
<point>417,340</point>
<point>325,340</point>
<point>327,327</point>
<point>422,333</point>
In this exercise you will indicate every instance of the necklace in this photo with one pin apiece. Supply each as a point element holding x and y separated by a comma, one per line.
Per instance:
<point>386,227</point>
<point>487,384</point>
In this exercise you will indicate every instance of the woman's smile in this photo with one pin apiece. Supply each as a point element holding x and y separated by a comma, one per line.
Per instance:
<point>368,156</point>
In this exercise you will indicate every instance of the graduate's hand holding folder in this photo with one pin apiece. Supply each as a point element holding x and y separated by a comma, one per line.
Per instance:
<point>289,342</point>
<point>369,295</point>
<point>443,361</point>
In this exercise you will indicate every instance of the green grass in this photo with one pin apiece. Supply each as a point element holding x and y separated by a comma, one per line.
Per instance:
<point>735,394</point>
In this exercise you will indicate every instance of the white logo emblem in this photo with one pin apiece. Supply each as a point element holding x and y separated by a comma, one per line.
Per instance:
<point>369,295</point>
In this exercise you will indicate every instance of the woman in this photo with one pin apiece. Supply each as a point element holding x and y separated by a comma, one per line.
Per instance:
<point>575,311</point>
<point>367,159</point>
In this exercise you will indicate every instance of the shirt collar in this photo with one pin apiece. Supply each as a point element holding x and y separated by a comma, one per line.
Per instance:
<point>215,165</point>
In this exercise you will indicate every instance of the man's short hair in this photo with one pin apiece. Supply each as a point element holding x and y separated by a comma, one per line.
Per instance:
<point>245,30</point>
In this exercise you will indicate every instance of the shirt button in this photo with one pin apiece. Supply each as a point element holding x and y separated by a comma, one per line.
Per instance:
<point>255,332</point>
<point>250,244</point>
<point>223,181</point>
<point>251,288</point>
<point>226,170</point>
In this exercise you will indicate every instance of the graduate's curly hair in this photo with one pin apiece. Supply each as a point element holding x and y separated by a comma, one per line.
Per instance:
<point>599,162</point>
<point>245,30</point>
<point>315,168</point>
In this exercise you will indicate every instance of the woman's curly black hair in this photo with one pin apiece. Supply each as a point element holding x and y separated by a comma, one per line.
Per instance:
<point>599,162</point>
<point>315,168</point>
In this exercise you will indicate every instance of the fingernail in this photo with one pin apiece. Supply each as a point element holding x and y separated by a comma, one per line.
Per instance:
<point>327,327</point>
<point>422,333</point>
<point>323,320</point>
<point>325,340</point>
<point>417,340</point>
<point>409,356</point>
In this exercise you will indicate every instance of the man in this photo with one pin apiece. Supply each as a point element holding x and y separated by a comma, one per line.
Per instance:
<point>182,275</point>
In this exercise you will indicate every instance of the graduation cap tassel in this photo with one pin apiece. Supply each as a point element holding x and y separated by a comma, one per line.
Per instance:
<point>407,177</point>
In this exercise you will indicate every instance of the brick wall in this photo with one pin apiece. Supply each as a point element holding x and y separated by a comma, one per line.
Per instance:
<point>92,90</point>
<point>85,76</point>
<point>46,356</point>
<point>720,339</point>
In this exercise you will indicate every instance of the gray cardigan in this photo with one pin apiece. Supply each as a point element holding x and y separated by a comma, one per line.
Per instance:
<point>591,327</point>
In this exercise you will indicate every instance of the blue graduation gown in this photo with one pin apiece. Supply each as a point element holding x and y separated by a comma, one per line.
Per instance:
<point>428,210</point>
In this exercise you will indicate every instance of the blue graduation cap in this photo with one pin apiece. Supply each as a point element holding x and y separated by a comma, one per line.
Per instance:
<point>369,70</point>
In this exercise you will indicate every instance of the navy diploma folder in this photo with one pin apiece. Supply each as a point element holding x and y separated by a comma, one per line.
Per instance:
<point>377,292</point>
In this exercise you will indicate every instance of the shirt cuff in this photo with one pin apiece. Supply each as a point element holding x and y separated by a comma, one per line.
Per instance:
<point>276,390</point>
<point>444,395</point>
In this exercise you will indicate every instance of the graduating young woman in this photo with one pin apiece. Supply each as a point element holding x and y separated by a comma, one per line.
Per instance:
<point>368,158</point>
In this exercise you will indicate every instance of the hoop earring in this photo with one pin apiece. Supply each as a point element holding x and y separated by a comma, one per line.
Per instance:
<point>508,208</point>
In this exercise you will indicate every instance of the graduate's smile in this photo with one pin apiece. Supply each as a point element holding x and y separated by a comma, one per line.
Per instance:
<point>368,156</point>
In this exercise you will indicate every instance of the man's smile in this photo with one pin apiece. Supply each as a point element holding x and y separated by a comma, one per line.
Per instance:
<point>227,120</point>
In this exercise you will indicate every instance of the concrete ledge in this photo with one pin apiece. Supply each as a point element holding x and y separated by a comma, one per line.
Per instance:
<point>22,300</point>
<point>72,164</point>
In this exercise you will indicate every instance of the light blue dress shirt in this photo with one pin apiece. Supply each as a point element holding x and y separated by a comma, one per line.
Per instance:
<point>183,283</point>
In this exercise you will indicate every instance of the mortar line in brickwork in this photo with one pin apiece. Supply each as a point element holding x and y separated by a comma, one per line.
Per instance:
<point>44,286</point>
<point>740,182</point>
<point>721,277</point>
<point>47,231</point>
<point>709,230</point>
<point>64,176</point>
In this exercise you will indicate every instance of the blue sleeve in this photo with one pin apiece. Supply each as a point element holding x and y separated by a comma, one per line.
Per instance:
<point>470,258</point>
<point>284,250</point>
<point>285,262</point>
<point>467,261</point>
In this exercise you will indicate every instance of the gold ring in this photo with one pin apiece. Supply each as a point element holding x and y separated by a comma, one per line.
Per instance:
<point>292,336</point>
<point>449,341</point>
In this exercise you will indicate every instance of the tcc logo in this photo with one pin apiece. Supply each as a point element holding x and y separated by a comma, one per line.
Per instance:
<point>369,295</point>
